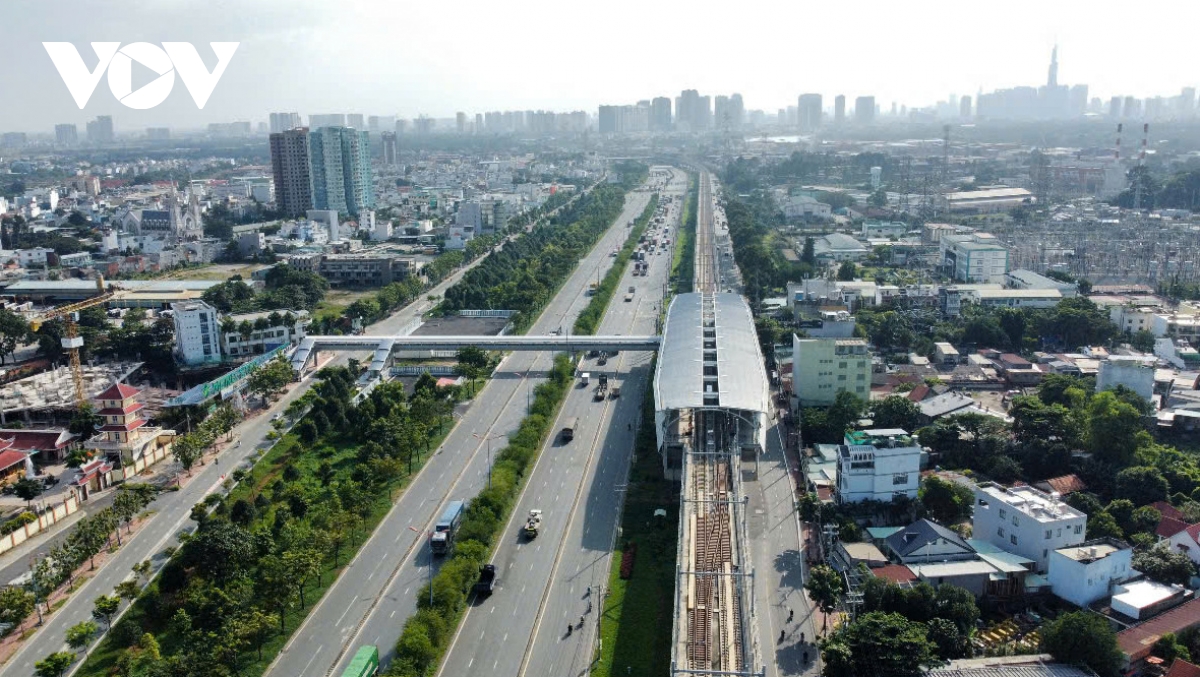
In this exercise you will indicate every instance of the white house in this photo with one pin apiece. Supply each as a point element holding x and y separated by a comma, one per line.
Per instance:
<point>1084,573</point>
<point>1188,541</point>
<point>1026,521</point>
<point>802,205</point>
<point>1131,372</point>
<point>880,465</point>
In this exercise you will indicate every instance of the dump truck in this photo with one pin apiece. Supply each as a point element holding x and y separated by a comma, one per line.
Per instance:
<point>487,580</point>
<point>533,524</point>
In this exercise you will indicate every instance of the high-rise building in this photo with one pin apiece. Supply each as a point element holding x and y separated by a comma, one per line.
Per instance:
<point>608,119</point>
<point>341,170</point>
<point>356,121</point>
<point>864,110</point>
<point>100,130</point>
<point>290,164</point>
<point>839,109</point>
<point>158,133</point>
<point>197,332</point>
<point>1187,102</point>
<point>460,120</point>
<point>1133,108</point>
<point>66,135</point>
<point>401,125</point>
<point>423,124</point>
<point>808,108</point>
<point>1114,107</point>
<point>389,148</point>
<point>737,109</point>
<point>377,124</point>
<point>327,120</point>
<point>1052,76</point>
<point>964,108</point>
<point>478,123</point>
<point>281,122</point>
<point>704,113</point>
<point>660,113</point>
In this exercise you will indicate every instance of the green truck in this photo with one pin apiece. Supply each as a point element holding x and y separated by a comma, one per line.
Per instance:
<point>365,663</point>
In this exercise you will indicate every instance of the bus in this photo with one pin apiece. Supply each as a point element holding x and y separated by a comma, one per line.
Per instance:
<point>365,663</point>
<point>568,430</point>
<point>442,538</point>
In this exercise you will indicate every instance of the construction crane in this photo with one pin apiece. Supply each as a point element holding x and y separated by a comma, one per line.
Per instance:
<point>71,340</point>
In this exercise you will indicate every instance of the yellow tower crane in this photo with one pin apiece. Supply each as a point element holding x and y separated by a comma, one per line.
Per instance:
<point>71,340</point>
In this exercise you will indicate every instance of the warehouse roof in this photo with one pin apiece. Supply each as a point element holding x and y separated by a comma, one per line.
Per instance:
<point>740,380</point>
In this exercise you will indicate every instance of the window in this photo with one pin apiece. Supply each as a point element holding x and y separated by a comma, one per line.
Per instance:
<point>1013,539</point>
<point>1015,522</point>
<point>1003,513</point>
<point>1048,533</point>
<point>1045,554</point>
<point>1000,532</point>
<point>899,478</point>
<point>1058,533</point>
<point>1079,528</point>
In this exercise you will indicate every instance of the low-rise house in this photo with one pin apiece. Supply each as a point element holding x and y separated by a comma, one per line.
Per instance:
<point>1137,642</point>
<point>1145,599</point>
<point>1026,521</point>
<point>1090,571</point>
<point>927,541</point>
<point>47,446</point>
<point>1187,541</point>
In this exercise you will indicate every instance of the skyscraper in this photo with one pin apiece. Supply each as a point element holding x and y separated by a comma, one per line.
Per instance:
<point>389,148</point>
<point>704,113</point>
<point>100,130</point>
<point>608,119</point>
<point>341,170</point>
<point>808,109</point>
<point>964,108</point>
<point>1052,76</point>
<point>864,110</point>
<point>839,109</point>
<point>293,174</point>
<point>660,114</point>
<point>737,110</point>
<point>327,120</point>
<point>66,135</point>
<point>281,122</point>
<point>479,123</point>
<point>460,118</point>
<point>355,120</point>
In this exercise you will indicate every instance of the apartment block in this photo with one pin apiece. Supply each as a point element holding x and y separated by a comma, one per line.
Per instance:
<point>822,368</point>
<point>880,465</point>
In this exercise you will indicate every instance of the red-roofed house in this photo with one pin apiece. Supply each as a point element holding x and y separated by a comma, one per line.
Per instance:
<point>12,462</point>
<point>1169,526</point>
<point>1167,510</point>
<point>1188,541</point>
<point>896,573</point>
<point>48,446</point>
<point>1137,642</point>
<point>125,437</point>
<point>1182,668</point>
<point>1065,484</point>
<point>919,393</point>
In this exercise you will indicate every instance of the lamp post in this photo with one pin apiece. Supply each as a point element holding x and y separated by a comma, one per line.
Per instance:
<point>417,531</point>
<point>488,439</point>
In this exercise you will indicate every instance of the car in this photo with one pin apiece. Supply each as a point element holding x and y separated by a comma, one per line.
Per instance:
<point>277,417</point>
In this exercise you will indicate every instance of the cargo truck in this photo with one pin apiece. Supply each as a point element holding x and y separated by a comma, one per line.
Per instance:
<point>365,662</point>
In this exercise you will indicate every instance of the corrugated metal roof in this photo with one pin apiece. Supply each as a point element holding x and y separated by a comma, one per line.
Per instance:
<point>741,376</point>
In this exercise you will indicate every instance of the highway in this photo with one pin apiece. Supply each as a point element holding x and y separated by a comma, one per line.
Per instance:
<point>173,509</point>
<point>371,601</point>
<point>542,584</point>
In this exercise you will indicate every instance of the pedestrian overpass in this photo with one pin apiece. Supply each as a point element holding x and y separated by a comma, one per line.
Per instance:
<point>384,347</point>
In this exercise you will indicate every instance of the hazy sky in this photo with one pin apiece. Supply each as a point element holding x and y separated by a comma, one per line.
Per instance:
<point>435,58</point>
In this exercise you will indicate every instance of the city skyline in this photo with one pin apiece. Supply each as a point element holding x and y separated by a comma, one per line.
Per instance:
<point>898,57</point>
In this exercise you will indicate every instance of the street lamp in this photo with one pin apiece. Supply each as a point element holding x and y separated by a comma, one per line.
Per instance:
<point>488,439</point>
<point>417,531</point>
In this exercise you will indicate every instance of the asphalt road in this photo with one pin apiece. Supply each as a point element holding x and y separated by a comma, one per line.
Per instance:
<point>371,601</point>
<point>542,584</point>
<point>172,512</point>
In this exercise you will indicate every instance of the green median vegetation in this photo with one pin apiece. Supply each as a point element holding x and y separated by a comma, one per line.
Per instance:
<point>589,319</point>
<point>683,270</point>
<point>636,625</point>
<point>263,556</point>
<point>427,634</point>
<point>527,272</point>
